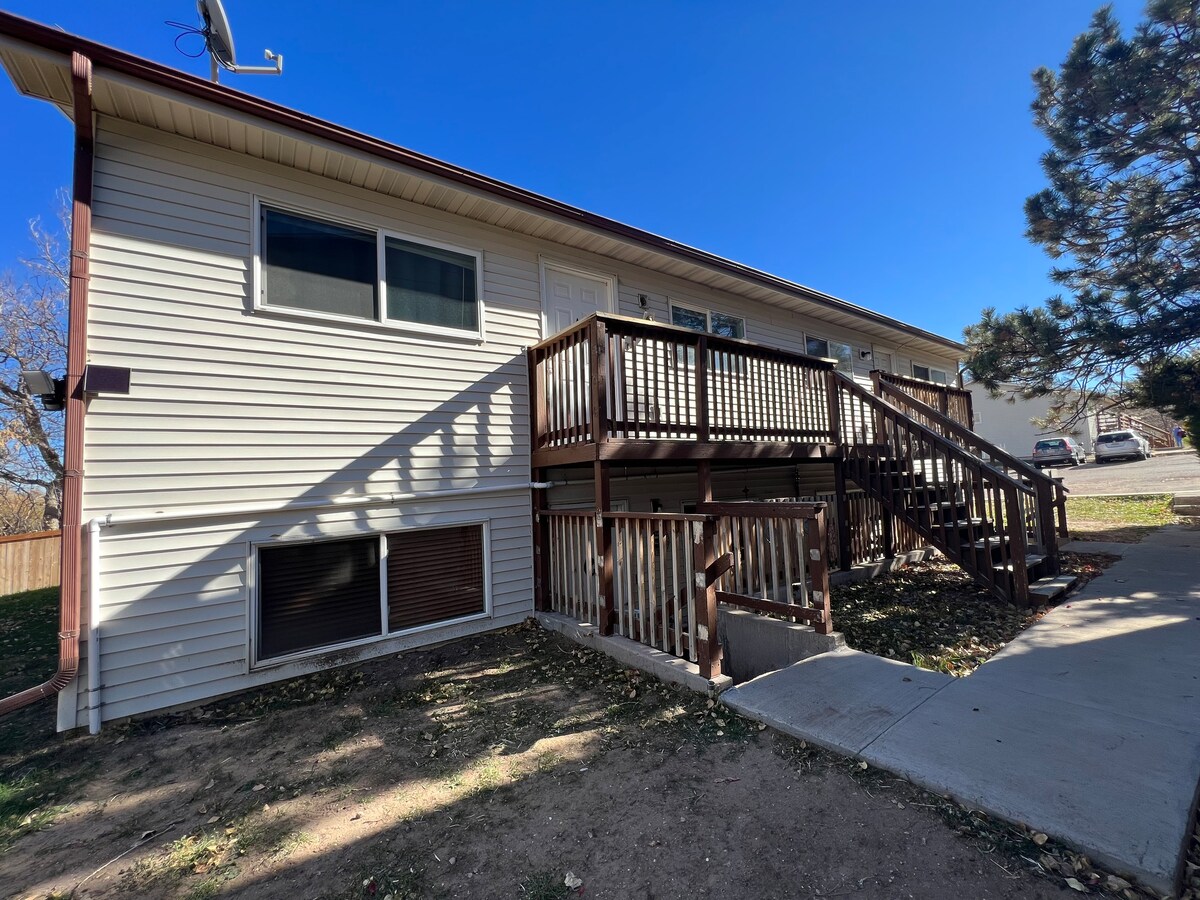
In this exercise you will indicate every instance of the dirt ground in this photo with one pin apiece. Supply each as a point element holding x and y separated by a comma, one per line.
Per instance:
<point>487,768</point>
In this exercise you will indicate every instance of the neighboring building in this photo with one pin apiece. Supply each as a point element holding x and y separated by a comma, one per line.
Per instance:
<point>1009,421</point>
<point>324,451</point>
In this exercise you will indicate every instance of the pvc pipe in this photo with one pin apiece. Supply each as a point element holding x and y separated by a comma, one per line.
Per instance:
<point>93,645</point>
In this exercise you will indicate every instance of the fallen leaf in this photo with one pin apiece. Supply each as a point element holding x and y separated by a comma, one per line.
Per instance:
<point>862,765</point>
<point>259,787</point>
<point>573,882</point>
<point>1040,839</point>
<point>214,820</point>
<point>1075,885</point>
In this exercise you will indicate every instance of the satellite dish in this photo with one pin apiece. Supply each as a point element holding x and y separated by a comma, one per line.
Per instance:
<point>219,39</point>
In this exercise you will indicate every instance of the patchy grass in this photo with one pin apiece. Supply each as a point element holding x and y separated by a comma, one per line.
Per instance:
<point>28,639</point>
<point>1125,520</point>
<point>933,615</point>
<point>492,767</point>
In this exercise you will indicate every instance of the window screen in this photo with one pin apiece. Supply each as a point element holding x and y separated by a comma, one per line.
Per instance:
<point>728,326</point>
<point>844,356</point>
<point>317,595</point>
<point>318,266</point>
<point>430,286</point>
<point>816,347</point>
<point>689,318</point>
<point>434,575</point>
<point>920,372</point>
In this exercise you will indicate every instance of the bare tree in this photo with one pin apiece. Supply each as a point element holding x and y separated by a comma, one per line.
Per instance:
<point>33,335</point>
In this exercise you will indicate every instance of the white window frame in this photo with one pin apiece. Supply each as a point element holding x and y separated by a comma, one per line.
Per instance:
<point>672,305</point>
<point>252,591</point>
<point>912,366</point>
<point>849,346</point>
<point>382,322</point>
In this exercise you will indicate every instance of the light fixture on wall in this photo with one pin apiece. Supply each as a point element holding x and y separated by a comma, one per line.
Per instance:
<point>864,354</point>
<point>51,391</point>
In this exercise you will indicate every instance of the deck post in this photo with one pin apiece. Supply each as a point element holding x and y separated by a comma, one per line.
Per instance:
<point>604,547</point>
<point>541,545</point>
<point>599,378</point>
<point>834,401</point>
<point>704,630</point>
<point>845,552</point>
<point>1047,526</point>
<point>818,569</point>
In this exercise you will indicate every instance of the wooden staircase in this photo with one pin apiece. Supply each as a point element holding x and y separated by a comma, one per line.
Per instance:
<point>991,514</point>
<point>1113,419</point>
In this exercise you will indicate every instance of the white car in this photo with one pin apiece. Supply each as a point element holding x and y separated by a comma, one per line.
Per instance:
<point>1121,445</point>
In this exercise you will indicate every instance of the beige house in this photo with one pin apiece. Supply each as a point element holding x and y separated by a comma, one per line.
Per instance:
<point>328,445</point>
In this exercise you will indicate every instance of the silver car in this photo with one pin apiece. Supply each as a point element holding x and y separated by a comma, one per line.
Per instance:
<point>1121,445</point>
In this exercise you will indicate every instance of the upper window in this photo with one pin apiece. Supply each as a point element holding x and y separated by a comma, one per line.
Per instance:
<point>927,373</point>
<point>843,353</point>
<point>318,266</point>
<point>712,322</point>
<point>431,286</point>
<point>330,269</point>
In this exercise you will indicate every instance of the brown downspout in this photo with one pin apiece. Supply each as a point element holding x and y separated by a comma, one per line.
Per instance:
<point>71,575</point>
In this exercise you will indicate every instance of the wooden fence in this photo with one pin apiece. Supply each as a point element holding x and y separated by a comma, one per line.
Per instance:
<point>29,561</point>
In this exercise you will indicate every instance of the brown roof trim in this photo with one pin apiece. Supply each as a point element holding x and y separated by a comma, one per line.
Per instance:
<point>163,76</point>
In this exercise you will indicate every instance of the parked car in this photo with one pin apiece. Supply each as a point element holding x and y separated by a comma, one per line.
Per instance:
<point>1058,451</point>
<point>1121,445</point>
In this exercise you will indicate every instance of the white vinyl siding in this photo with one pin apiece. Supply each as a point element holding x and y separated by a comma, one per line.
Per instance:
<point>231,406</point>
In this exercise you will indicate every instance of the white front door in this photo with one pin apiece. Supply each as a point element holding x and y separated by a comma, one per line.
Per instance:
<point>571,296</point>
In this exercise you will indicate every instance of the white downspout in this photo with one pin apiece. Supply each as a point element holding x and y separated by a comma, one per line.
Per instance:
<point>93,644</point>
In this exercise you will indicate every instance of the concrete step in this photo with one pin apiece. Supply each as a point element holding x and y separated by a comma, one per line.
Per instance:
<point>1047,590</point>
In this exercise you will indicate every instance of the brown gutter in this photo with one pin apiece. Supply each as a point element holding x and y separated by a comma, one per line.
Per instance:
<point>70,572</point>
<point>172,79</point>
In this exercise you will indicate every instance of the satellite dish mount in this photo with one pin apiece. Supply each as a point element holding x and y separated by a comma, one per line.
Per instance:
<point>219,39</point>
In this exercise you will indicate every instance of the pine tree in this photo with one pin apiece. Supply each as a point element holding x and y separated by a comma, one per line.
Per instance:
<point>1121,216</point>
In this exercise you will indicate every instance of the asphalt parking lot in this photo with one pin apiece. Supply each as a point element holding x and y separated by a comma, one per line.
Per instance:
<point>1164,473</point>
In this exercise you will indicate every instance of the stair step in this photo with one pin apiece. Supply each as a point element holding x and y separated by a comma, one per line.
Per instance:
<point>1031,561</point>
<point>960,524</point>
<point>989,542</point>
<point>1048,590</point>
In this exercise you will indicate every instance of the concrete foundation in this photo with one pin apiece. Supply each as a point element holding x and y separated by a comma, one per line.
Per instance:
<point>867,571</point>
<point>661,665</point>
<point>754,644</point>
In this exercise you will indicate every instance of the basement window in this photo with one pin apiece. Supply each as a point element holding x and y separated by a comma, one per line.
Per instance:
<point>314,596</point>
<point>333,270</point>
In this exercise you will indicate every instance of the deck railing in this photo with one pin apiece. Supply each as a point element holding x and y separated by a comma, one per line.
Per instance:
<point>657,578</point>
<point>610,377</point>
<point>950,401</point>
<point>1112,419</point>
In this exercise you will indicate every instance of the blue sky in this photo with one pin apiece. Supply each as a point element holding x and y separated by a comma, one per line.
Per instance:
<point>882,155</point>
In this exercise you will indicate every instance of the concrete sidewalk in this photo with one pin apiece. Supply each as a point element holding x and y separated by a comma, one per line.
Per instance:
<point>1086,726</point>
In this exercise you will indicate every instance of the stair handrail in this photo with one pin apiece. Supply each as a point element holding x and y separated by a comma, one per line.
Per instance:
<point>1046,487</point>
<point>1136,424</point>
<point>1010,486</point>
